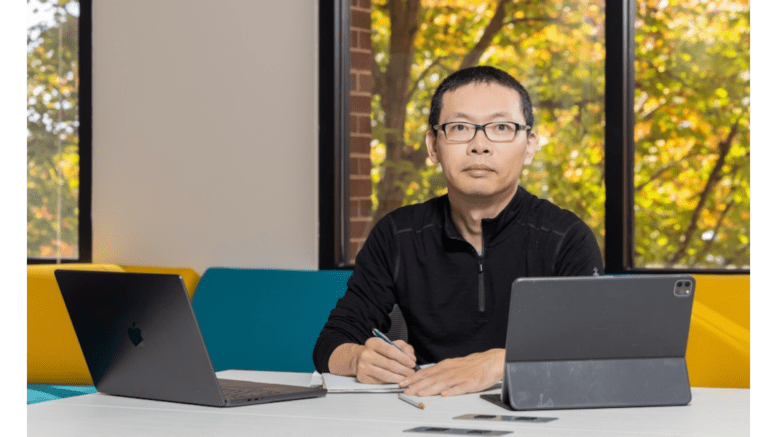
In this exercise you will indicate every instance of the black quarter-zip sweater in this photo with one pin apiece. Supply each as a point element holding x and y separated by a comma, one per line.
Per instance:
<point>454,300</point>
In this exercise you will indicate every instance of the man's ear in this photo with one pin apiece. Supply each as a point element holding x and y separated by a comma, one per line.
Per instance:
<point>431,146</point>
<point>532,141</point>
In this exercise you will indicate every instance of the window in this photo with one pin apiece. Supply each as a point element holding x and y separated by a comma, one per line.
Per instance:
<point>641,196</point>
<point>692,134</point>
<point>58,131</point>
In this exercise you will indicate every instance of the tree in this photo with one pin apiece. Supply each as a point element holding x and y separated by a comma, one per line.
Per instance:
<point>691,110</point>
<point>536,42</point>
<point>52,130</point>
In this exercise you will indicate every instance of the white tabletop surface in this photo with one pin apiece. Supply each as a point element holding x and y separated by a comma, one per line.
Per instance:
<point>712,412</point>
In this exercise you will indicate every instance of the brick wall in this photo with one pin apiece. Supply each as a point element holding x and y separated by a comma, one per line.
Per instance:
<point>361,129</point>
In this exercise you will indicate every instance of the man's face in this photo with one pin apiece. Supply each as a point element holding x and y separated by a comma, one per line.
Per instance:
<point>480,167</point>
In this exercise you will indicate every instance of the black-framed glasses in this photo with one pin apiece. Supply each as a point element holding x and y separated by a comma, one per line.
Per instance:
<point>496,131</point>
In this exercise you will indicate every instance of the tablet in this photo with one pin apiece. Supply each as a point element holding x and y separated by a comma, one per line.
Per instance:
<point>598,342</point>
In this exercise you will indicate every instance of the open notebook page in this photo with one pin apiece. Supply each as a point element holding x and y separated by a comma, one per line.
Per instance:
<point>349,384</point>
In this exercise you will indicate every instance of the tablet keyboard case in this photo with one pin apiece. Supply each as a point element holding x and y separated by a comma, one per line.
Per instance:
<point>598,342</point>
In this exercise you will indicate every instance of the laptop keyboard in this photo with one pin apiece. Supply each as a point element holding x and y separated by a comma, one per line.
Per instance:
<point>232,389</point>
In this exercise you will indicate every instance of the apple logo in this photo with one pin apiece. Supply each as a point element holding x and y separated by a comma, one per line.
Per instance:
<point>134,335</point>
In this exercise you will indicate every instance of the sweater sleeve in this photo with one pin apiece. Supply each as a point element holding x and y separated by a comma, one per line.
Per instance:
<point>367,301</point>
<point>578,253</point>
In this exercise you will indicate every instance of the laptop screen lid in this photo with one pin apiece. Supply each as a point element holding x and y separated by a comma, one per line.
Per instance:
<point>588,342</point>
<point>139,336</point>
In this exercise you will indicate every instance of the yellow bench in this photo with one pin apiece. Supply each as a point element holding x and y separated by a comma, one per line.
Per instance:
<point>53,353</point>
<point>718,352</point>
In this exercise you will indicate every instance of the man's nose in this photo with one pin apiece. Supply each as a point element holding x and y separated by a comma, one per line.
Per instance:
<point>480,143</point>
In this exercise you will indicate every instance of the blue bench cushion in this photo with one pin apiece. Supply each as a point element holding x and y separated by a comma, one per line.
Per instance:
<point>47,392</point>
<point>255,319</point>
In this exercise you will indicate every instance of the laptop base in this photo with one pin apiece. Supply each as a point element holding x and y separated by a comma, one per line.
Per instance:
<point>237,393</point>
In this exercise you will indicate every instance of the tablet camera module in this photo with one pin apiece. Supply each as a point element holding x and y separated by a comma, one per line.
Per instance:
<point>683,288</point>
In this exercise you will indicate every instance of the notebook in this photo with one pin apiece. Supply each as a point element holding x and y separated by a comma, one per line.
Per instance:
<point>596,342</point>
<point>140,339</point>
<point>349,384</point>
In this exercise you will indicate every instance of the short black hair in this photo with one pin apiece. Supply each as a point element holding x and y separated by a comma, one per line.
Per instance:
<point>479,74</point>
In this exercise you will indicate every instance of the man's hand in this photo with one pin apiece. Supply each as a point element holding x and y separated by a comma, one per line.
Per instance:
<point>456,376</point>
<point>381,363</point>
<point>377,362</point>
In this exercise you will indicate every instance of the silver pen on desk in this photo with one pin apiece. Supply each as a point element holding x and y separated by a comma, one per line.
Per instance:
<point>411,401</point>
<point>383,337</point>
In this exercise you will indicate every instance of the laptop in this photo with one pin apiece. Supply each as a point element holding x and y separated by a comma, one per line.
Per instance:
<point>140,339</point>
<point>597,342</point>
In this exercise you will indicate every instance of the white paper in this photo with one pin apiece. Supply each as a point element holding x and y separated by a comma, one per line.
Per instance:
<point>349,384</point>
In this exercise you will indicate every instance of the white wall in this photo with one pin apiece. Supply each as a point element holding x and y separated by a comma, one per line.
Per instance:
<point>205,133</point>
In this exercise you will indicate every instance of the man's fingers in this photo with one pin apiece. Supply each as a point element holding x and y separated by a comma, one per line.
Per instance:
<point>370,373</point>
<point>433,387</point>
<point>381,362</point>
<point>374,367</point>
<point>456,376</point>
<point>375,359</point>
<point>394,367</point>
<point>406,348</point>
<point>445,384</point>
<point>457,390</point>
<point>390,352</point>
<point>422,380</point>
<point>427,374</point>
<point>446,378</point>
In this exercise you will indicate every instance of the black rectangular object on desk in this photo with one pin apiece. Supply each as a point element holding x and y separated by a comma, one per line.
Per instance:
<point>504,417</point>
<point>456,431</point>
<point>598,342</point>
<point>140,339</point>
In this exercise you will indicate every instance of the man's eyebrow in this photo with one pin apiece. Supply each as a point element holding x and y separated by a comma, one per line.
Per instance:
<point>469,117</point>
<point>460,115</point>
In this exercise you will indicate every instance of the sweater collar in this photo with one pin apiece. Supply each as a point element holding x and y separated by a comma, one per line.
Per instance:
<point>491,226</point>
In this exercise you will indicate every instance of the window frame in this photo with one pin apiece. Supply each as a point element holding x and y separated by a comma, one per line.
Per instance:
<point>84,141</point>
<point>619,149</point>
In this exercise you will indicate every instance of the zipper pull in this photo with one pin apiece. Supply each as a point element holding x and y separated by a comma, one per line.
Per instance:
<point>481,287</point>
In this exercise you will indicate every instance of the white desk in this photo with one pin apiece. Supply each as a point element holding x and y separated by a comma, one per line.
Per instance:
<point>723,412</point>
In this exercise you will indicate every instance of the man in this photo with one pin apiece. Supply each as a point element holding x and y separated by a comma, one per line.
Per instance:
<point>448,263</point>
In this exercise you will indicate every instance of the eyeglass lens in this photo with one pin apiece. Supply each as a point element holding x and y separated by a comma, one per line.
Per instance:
<point>464,132</point>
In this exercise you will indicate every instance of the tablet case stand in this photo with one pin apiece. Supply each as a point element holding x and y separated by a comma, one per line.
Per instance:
<point>550,385</point>
<point>597,342</point>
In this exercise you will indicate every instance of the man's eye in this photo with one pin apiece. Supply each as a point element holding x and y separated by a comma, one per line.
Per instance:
<point>502,127</point>
<point>460,127</point>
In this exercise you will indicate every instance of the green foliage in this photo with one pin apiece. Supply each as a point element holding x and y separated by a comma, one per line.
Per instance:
<point>52,130</point>
<point>557,55</point>
<point>692,134</point>
<point>692,89</point>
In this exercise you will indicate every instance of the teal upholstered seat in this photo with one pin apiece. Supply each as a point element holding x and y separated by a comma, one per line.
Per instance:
<point>255,319</point>
<point>47,392</point>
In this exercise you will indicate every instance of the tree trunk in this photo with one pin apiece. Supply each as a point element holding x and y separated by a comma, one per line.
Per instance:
<point>395,91</point>
<point>392,87</point>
